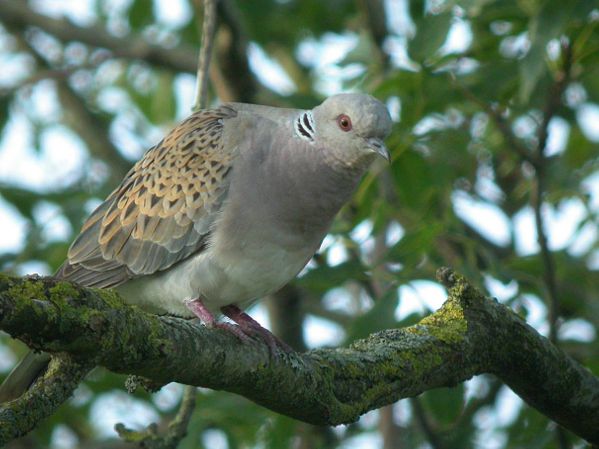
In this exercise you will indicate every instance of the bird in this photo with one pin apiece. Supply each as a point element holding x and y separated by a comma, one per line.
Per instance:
<point>228,207</point>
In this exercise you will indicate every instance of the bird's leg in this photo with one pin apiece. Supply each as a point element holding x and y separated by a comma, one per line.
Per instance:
<point>199,309</point>
<point>250,326</point>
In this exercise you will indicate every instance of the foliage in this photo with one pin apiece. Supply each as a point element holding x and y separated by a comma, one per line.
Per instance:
<point>479,124</point>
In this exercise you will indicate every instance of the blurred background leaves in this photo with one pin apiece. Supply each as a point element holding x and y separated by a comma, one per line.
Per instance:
<point>495,104</point>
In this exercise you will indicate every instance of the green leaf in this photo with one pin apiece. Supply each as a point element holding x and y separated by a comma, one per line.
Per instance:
<point>431,33</point>
<point>326,277</point>
<point>5,102</point>
<point>548,24</point>
<point>445,404</point>
<point>163,104</point>
<point>379,317</point>
<point>141,14</point>
<point>415,242</point>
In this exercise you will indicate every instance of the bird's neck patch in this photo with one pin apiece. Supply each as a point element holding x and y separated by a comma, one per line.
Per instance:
<point>304,126</point>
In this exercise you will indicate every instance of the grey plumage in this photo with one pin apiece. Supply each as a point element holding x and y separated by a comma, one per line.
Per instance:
<point>230,205</point>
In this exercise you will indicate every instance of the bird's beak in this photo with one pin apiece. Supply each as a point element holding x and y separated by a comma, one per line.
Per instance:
<point>379,147</point>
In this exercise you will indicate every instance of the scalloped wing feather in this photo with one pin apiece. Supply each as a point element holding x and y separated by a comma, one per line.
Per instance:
<point>162,211</point>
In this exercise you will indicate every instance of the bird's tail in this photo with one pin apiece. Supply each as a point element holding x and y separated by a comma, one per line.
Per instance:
<point>23,375</point>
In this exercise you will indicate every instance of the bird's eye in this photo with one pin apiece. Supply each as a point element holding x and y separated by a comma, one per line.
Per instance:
<point>344,122</point>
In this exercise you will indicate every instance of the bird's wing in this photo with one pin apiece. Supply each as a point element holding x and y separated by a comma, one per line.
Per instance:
<point>162,211</point>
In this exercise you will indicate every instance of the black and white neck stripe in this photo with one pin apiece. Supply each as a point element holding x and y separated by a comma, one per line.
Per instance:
<point>304,126</point>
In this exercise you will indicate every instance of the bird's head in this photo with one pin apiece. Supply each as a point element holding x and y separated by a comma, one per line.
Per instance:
<point>352,129</point>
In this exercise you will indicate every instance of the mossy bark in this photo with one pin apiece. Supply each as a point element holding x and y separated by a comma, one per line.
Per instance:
<point>469,335</point>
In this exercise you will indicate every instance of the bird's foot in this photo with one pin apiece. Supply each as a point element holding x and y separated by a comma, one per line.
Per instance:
<point>250,326</point>
<point>198,308</point>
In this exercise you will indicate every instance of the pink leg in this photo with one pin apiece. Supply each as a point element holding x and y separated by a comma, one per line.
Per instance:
<point>198,308</point>
<point>250,326</point>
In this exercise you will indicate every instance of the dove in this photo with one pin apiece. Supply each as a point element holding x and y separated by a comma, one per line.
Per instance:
<point>229,207</point>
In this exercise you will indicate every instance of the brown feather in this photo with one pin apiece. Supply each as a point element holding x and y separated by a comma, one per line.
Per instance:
<point>161,212</point>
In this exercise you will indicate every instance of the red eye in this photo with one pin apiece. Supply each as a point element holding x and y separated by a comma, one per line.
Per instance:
<point>344,122</point>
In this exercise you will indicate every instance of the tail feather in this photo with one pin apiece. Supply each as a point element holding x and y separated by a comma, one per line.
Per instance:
<point>23,375</point>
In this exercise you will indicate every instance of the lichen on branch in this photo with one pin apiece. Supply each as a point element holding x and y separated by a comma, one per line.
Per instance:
<point>470,334</point>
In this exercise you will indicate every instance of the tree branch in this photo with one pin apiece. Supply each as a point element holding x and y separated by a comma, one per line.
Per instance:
<point>469,335</point>
<point>179,59</point>
<point>554,100</point>
<point>208,25</point>
<point>43,398</point>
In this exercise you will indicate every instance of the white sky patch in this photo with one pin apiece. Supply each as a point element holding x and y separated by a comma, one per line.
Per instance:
<point>486,187</point>
<point>557,137</point>
<point>394,234</point>
<point>214,439</point>
<point>268,71</point>
<point>7,359</point>
<point>63,438</point>
<point>394,108</point>
<point>537,313</point>
<point>419,297</point>
<point>329,50</point>
<point>525,233</point>
<point>185,91</point>
<point>319,332</point>
<point>561,224</point>
<point>575,95</point>
<point>499,290</point>
<point>525,126</point>
<point>168,396</point>
<point>80,12</point>
<point>362,235</point>
<point>113,99</point>
<point>45,102</point>
<point>588,118</point>
<point>15,67</point>
<point>402,412</point>
<point>459,37</point>
<point>34,267</point>
<point>124,134</point>
<point>486,218</point>
<point>584,239</point>
<point>58,164</point>
<point>477,387</point>
<point>12,228</point>
<point>55,227</point>
<point>173,13</point>
<point>577,330</point>
<point>117,406</point>
<point>507,407</point>
<point>488,437</point>
<point>324,55</point>
<point>369,419</point>
<point>367,440</point>
<point>397,48</point>
<point>338,299</point>
<point>331,79</point>
<point>337,253</point>
<point>260,314</point>
<point>63,156</point>
<point>398,17</point>
<point>362,231</point>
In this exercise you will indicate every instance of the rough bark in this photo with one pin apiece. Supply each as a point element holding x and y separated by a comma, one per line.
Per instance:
<point>469,335</point>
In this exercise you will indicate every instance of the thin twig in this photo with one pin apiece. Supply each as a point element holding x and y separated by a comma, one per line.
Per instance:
<point>502,124</point>
<point>553,102</point>
<point>208,25</point>
<point>425,424</point>
<point>77,116</point>
<point>149,438</point>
